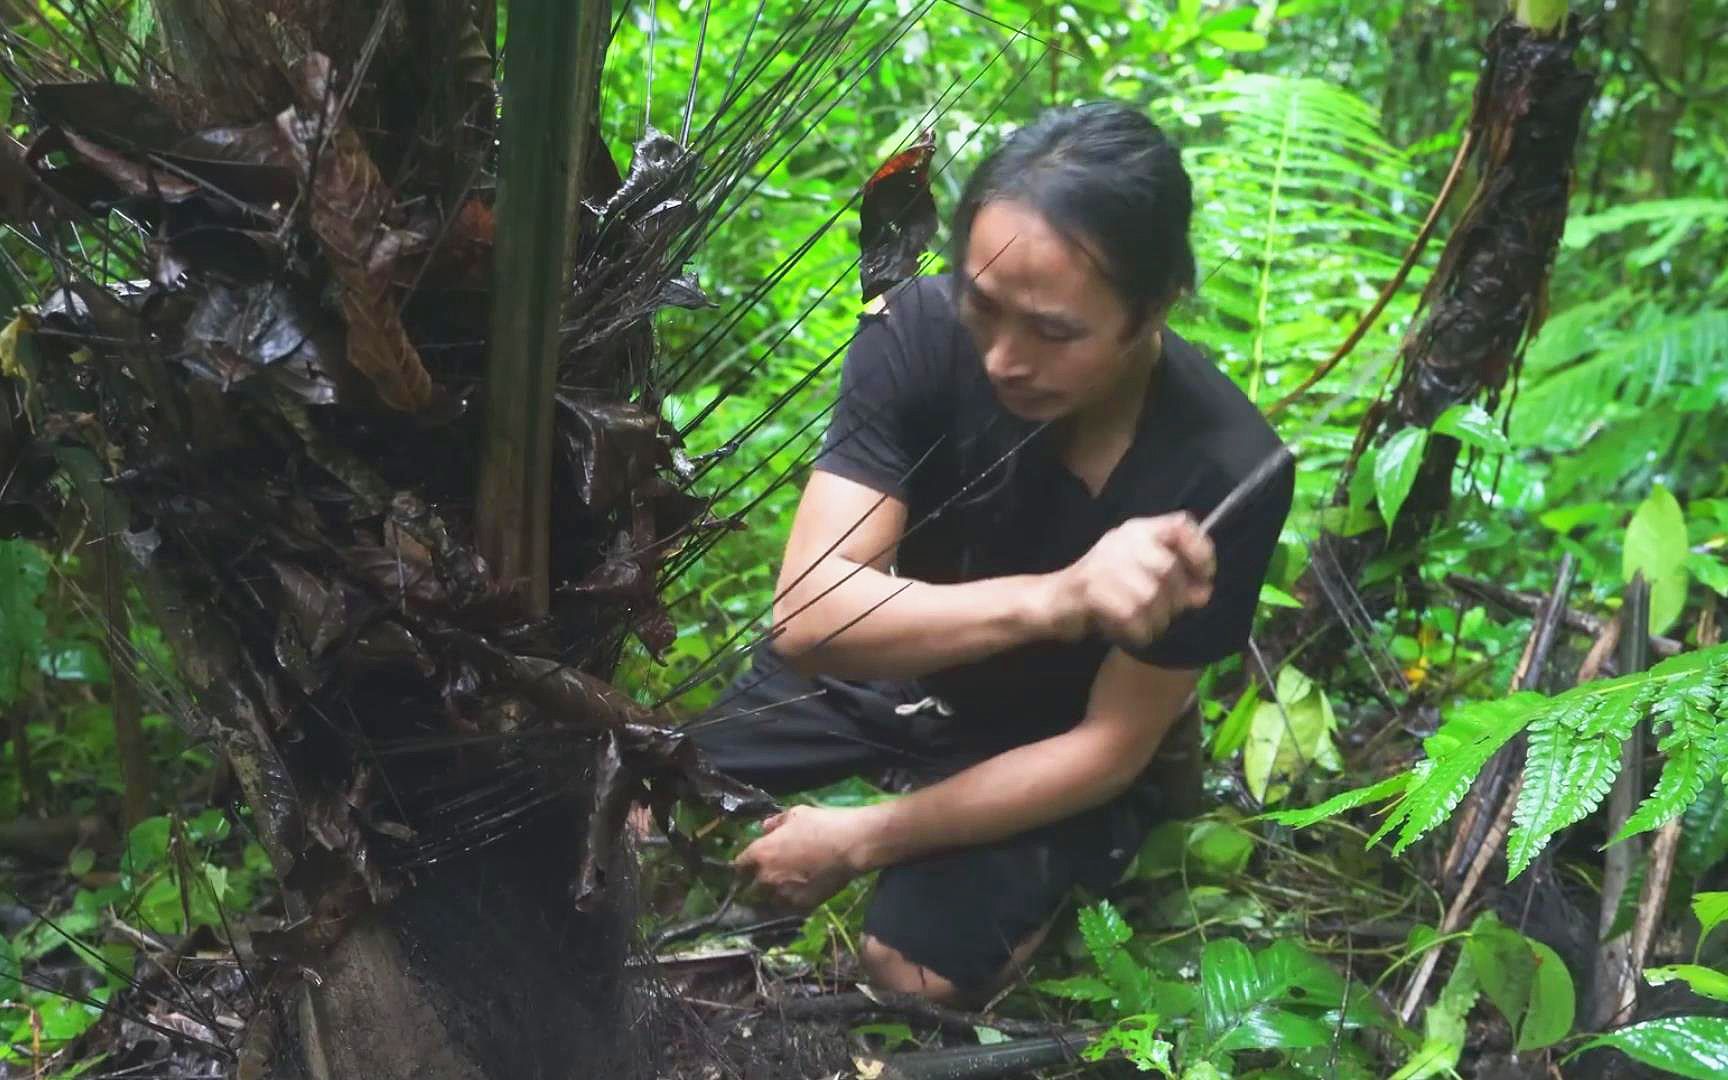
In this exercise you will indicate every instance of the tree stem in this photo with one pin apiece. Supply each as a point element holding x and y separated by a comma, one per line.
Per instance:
<point>553,54</point>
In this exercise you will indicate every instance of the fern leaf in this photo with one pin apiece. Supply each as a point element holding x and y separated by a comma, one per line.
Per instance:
<point>1345,800</point>
<point>1308,205</point>
<point>1573,757</point>
<point>1456,753</point>
<point>1106,934</point>
<point>1695,740</point>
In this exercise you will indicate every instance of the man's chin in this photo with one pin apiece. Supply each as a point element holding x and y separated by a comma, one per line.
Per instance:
<point>1034,407</point>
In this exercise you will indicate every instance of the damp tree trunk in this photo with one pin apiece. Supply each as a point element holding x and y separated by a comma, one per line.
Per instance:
<point>1488,295</point>
<point>395,488</point>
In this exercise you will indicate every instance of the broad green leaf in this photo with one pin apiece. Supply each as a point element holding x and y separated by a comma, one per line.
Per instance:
<point>1273,596</point>
<point>80,862</point>
<point>1504,965</point>
<point>1525,980</point>
<point>1271,1028</point>
<point>1395,470</point>
<point>146,847</point>
<point>1219,848</point>
<point>1470,424</point>
<point>1553,1002</point>
<point>1690,1046</point>
<point>1229,985</point>
<point>1289,735</point>
<point>1656,547</point>
<point>1233,732</point>
<point>1077,988</point>
<point>1704,981</point>
<point>1710,569</point>
<point>988,1036</point>
<point>1711,908</point>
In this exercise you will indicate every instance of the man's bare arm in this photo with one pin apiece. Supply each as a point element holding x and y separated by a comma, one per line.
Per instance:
<point>809,852</point>
<point>1132,707</point>
<point>841,613</point>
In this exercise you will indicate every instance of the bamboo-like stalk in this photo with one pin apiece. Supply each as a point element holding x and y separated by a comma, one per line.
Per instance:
<point>553,54</point>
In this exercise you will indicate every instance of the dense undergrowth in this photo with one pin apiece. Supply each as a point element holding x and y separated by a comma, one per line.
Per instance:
<point>1263,938</point>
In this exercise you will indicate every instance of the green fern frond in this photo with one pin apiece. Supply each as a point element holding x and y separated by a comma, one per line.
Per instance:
<point>1456,753</point>
<point>1106,933</point>
<point>1695,741</point>
<point>1573,758</point>
<point>1307,210</point>
<point>1347,800</point>
<point>1104,930</point>
<point>1627,372</point>
<point>1664,214</point>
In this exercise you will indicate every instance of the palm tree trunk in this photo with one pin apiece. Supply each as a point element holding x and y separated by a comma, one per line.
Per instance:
<point>1488,295</point>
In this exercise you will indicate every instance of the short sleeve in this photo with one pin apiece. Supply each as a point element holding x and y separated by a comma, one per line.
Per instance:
<point>877,435</point>
<point>1244,549</point>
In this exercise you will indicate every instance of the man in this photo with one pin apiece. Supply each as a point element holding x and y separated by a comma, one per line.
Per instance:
<point>995,576</point>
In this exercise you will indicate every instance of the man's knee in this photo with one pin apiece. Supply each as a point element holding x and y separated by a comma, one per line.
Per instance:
<point>887,969</point>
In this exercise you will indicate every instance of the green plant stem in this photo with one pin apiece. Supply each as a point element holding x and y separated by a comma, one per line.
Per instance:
<point>554,50</point>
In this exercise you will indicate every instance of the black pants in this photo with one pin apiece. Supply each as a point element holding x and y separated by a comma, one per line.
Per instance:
<point>959,913</point>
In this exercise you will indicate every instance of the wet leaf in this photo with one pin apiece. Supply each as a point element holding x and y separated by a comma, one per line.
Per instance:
<point>1289,735</point>
<point>1690,1046</point>
<point>612,448</point>
<point>129,173</point>
<point>1395,470</point>
<point>238,333</point>
<point>349,202</point>
<point>1656,547</point>
<point>113,113</point>
<point>897,218</point>
<point>1704,981</point>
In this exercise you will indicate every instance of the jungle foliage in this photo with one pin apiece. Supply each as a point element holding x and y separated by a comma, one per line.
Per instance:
<point>1431,836</point>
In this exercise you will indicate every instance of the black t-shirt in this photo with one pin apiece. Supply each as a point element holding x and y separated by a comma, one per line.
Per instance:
<point>988,497</point>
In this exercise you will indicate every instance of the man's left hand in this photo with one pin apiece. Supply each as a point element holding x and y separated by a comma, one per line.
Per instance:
<point>808,853</point>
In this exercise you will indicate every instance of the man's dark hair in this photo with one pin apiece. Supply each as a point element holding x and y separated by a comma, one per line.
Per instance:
<point>1105,177</point>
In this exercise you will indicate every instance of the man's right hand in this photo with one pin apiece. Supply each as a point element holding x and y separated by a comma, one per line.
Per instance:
<point>1133,583</point>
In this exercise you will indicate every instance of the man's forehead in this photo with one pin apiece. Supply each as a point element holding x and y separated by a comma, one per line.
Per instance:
<point>1032,298</point>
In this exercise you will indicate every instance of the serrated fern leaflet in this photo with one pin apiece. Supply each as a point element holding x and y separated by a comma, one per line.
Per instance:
<point>1573,756</point>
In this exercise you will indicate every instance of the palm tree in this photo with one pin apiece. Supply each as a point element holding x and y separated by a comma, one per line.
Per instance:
<point>360,370</point>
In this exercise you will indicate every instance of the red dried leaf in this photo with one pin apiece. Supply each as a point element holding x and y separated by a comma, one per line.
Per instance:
<point>898,218</point>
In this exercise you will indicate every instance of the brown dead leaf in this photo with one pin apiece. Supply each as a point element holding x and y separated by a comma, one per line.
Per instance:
<point>349,202</point>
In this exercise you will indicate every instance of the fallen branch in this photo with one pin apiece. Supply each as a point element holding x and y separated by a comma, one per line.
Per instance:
<point>860,1006</point>
<point>53,839</point>
<point>975,1062</point>
<point>1579,622</point>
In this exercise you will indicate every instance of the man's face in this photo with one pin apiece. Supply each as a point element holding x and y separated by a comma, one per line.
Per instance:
<point>1054,335</point>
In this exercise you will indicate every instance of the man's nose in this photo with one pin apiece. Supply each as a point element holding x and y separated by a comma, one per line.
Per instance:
<point>1006,361</point>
